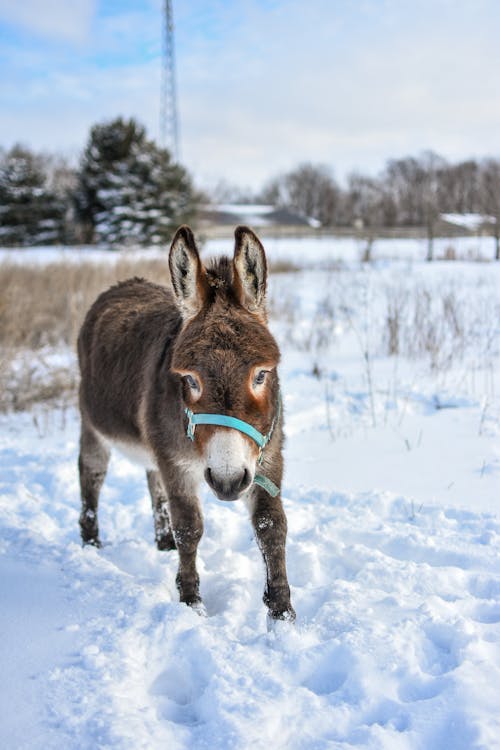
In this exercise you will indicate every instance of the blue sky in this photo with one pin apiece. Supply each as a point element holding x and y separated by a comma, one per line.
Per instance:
<point>262,84</point>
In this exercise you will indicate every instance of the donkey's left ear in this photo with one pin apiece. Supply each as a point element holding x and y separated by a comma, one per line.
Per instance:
<point>187,273</point>
<point>250,267</point>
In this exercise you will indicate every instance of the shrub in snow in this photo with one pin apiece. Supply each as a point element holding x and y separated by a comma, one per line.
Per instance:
<point>31,213</point>
<point>129,191</point>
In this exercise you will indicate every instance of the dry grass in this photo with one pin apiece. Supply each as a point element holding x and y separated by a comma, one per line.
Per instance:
<point>440,326</point>
<point>42,308</point>
<point>45,306</point>
<point>283,266</point>
<point>25,381</point>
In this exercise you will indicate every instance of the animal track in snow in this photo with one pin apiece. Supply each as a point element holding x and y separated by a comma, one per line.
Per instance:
<point>442,648</point>
<point>176,691</point>
<point>395,645</point>
<point>487,613</point>
<point>328,666</point>
<point>421,688</point>
<point>484,587</point>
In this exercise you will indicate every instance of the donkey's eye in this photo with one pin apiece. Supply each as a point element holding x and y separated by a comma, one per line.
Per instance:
<point>260,377</point>
<point>191,382</point>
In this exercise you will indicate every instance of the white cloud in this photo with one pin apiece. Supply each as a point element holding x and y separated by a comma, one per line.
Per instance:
<point>351,88</point>
<point>263,86</point>
<point>58,19</point>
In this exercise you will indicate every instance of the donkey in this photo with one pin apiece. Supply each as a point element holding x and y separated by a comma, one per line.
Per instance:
<point>185,381</point>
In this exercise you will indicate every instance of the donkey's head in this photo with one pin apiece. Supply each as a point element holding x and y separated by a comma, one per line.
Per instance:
<point>225,355</point>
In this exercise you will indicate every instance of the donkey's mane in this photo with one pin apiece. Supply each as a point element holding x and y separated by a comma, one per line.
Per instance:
<point>220,273</point>
<point>220,279</point>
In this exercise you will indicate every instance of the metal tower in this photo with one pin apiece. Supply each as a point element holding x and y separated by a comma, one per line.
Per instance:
<point>169,128</point>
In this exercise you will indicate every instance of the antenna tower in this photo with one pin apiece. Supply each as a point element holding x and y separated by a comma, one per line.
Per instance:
<point>169,128</point>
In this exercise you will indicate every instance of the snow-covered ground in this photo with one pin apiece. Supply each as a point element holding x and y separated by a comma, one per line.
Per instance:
<point>304,252</point>
<point>391,491</point>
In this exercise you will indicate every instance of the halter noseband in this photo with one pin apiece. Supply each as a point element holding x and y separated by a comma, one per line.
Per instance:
<point>238,424</point>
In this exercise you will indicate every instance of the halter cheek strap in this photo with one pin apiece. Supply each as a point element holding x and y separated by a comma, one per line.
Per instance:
<point>223,420</point>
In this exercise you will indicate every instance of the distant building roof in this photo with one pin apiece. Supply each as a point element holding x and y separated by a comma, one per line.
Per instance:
<point>255,214</point>
<point>468,221</point>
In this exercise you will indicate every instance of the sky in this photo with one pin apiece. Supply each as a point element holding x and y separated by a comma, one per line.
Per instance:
<point>263,85</point>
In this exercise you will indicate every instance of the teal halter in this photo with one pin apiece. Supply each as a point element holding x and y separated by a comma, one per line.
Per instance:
<point>223,420</point>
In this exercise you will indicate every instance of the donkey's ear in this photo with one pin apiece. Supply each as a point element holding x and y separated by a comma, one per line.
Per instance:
<point>250,270</point>
<point>187,273</point>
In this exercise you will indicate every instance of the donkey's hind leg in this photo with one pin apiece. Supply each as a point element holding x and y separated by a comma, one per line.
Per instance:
<point>92,463</point>
<point>164,537</point>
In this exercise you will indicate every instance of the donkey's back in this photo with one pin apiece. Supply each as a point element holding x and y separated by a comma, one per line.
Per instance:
<point>125,335</point>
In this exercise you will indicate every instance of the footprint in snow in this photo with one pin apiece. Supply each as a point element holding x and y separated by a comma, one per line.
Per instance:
<point>180,687</point>
<point>484,587</point>
<point>326,668</point>
<point>388,714</point>
<point>487,613</point>
<point>442,648</point>
<point>423,688</point>
<point>177,691</point>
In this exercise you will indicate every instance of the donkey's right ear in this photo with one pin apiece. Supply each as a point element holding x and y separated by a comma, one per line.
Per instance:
<point>187,273</point>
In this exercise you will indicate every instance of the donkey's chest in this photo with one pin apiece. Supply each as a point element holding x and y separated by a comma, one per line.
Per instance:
<point>135,452</point>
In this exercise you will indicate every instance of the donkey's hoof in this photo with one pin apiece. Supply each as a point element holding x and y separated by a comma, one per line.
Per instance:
<point>283,615</point>
<point>165,542</point>
<point>199,608</point>
<point>94,542</point>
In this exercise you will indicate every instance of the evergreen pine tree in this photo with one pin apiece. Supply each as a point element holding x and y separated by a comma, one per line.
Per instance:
<point>129,191</point>
<point>30,212</point>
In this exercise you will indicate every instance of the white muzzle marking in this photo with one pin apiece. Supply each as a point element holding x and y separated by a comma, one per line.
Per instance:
<point>228,453</point>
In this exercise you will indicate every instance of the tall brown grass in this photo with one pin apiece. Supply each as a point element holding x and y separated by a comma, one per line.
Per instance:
<point>41,308</point>
<point>45,306</point>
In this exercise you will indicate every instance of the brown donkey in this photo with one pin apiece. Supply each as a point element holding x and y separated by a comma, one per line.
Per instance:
<point>186,382</point>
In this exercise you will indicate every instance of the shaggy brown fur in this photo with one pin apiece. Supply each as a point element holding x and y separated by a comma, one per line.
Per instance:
<point>139,349</point>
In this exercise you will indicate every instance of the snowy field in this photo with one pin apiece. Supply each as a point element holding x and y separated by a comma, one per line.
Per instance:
<point>304,252</point>
<point>392,496</point>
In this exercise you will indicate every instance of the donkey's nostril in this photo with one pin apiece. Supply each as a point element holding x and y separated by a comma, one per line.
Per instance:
<point>228,488</point>
<point>208,478</point>
<point>244,480</point>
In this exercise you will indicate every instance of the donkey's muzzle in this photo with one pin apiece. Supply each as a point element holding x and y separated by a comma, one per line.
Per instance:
<point>228,488</point>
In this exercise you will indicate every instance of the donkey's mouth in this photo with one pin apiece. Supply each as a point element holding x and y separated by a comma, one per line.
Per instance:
<point>228,488</point>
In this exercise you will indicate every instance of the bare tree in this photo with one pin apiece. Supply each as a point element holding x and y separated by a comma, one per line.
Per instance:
<point>404,179</point>
<point>490,196</point>
<point>227,192</point>
<point>432,168</point>
<point>368,201</point>
<point>309,189</point>
<point>459,188</point>
<point>415,185</point>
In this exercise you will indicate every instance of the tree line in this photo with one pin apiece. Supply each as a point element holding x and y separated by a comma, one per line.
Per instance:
<point>409,192</point>
<point>127,190</point>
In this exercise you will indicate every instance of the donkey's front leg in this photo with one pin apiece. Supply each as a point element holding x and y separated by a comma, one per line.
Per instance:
<point>187,527</point>
<point>163,533</point>
<point>186,523</point>
<point>269,522</point>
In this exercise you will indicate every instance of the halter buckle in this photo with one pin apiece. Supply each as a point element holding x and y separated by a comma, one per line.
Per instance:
<point>191,425</point>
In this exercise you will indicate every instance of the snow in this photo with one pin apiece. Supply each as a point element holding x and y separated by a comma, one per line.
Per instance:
<point>254,214</point>
<point>29,594</point>
<point>470,221</point>
<point>321,251</point>
<point>391,491</point>
<point>244,209</point>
